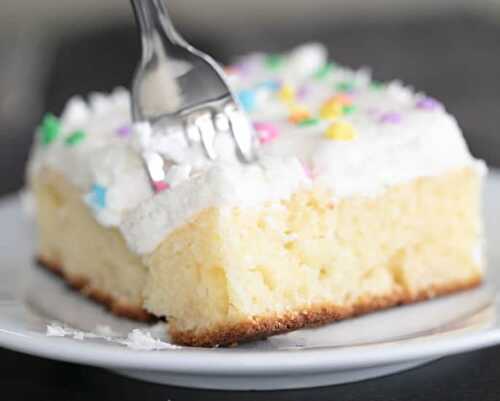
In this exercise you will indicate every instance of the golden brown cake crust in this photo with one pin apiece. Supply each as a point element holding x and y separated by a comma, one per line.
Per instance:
<point>81,284</point>
<point>262,327</point>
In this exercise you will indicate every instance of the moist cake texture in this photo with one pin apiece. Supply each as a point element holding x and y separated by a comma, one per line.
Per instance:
<point>364,196</point>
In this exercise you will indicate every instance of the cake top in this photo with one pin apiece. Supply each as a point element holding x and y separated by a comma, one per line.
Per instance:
<point>316,123</point>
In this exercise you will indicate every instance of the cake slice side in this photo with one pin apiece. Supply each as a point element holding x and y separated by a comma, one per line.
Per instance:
<point>236,274</point>
<point>90,257</point>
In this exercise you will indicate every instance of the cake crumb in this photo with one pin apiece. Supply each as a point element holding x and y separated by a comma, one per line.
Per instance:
<point>55,331</point>
<point>142,340</point>
<point>138,339</point>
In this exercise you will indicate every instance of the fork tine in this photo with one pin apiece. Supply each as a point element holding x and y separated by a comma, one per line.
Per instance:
<point>206,126</point>
<point>206,106</point>
<point>242,133</point>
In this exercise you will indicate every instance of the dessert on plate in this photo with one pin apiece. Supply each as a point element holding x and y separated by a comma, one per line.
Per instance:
<point>364,196</point>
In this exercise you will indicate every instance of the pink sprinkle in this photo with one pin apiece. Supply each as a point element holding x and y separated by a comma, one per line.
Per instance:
<point>308,170</point>
<point>267,132</point>
<point>160,186</point>
<point>390,118</point>
<point>124,131</point>
<point>345,98</point>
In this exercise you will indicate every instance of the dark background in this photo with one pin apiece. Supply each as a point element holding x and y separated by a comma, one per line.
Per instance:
<point>453,55</point>
<point>468,377</point>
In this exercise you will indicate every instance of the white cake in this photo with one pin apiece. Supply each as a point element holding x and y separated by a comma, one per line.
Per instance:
<point>364,196</point>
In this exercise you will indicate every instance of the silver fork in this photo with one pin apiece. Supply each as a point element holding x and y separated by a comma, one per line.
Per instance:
<point>179,87</point>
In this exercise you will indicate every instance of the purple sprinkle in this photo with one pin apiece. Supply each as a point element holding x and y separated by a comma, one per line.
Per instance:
<point>247,65</point>
<point>390,118</point>
<point>124,131</point>
<point>243,68</point>
<point>303,92</point>
<point>428,103</point>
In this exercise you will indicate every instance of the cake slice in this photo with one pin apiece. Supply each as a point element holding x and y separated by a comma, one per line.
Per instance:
<point>364,196</point>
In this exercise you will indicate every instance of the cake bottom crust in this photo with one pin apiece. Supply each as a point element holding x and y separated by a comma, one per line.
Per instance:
<point>81,284</point>
<point>315,315</point>
<point>263,326</point>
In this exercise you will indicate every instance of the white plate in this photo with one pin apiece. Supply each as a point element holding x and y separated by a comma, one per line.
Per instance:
<point>356,349</point>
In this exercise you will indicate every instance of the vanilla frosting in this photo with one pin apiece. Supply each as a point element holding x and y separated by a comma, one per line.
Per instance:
<point>399,135</point>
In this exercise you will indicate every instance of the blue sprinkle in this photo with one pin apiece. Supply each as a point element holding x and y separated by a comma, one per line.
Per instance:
<point>247,100</point>
<point>98,196</point>
<point>271,85</point>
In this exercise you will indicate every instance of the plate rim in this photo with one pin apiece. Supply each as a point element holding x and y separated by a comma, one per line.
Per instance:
<point>237,362</point>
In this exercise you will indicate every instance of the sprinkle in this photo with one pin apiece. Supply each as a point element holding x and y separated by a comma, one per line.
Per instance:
<point>341,131</point>
<point>349,109</point>
<point>287,93</point>
<point>428,103</point>
<point>309,122</point>
<point>274,61</point>
<point>299,114</point>
<point>74,138</point>
<point>247,99</point>
<point>160,186</point>
<point>376,85</point>
<point>271,85</point>
<point>390,118</point>
<point>243,68</point>
<point>345,86</point>
<point>307,170</point>
<point>98,196</point>
<point>303,92</point>
<point>124,131</point>
<point>331,109</point>
<point>324,71</point>
<point>231,70</point>
<point>344,98</point>
<point>49,129</point>
<point>268,132</point>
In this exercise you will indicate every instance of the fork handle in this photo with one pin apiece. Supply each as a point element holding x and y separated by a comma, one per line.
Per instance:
<point>153,18</point>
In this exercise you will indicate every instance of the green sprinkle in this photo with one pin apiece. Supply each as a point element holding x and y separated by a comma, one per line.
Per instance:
<point>345,86</point>
<point>324,71</point>
<point>49,129</point>
<point>74,138</point>
<point>376,85</point>
<point>274,61</point>
<point>348,109</point>
<point>309,122</point>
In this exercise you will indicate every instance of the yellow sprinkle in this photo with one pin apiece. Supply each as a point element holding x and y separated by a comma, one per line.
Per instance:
<point>341,131</point>
<point>298,114</point>
<point>287,93</point>
<point>331,109</point>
